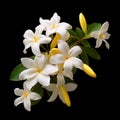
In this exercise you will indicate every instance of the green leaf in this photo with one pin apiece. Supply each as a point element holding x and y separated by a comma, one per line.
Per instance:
<point>79,32</point>
<point>38,89</point>
<point>92,52</point>
<point>84,56</point>
<point>16,71</point>
<point>71,32</point>
<point>85,43</point>
<point>93,27</point>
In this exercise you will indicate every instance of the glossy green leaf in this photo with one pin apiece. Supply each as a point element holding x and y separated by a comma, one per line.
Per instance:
<point>85,43</point>
<point>38,89</point>
<point>16,71</point>
<point>93,27</point>
<point>92,52</point>
<point>84,56</point>
<point>79,32</point>
<point>71,32</point>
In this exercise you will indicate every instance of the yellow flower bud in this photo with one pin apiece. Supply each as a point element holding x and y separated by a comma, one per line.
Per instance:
<point>89,71</point>
<point>65,96</point>
<point>54,51</point>
<point>55,40</point>
<point>83,23</point>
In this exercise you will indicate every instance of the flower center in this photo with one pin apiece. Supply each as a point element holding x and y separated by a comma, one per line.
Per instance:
<point>38,70</point>
<point>54,26</point>
<point>67,57</point>
<point>35,38</point>
<point>25,94</point>
<point>102,36</point>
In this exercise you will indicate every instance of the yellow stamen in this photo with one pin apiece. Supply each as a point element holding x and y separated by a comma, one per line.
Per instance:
<point>65,96</point>
<point>55,40</point>
<point>102,36</point>
<point>67,57</point>
<point>54,26</point>
<point>83,23</point>
<point>35,38</point>
<point>54,51</point>
<point>38,70</point>
<point>25,94</point>
<point>89,71</point>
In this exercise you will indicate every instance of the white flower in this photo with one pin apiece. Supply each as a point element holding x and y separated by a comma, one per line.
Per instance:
<point>25,97</point>
<point>34,40</point>
<point>61,89</point>
<point>101,35</point>
<point>68,58</point>
<point>54,25</point>
<point>37,71</point>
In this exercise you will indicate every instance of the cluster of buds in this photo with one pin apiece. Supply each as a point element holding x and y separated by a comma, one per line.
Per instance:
<point>58,51</point>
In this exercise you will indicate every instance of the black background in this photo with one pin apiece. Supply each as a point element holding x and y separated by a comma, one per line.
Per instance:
<point>94,98</point>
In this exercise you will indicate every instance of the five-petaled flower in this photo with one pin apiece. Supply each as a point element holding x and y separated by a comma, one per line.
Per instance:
<point>25,97</point>
<point>101,35</point>
<point>37,70</point>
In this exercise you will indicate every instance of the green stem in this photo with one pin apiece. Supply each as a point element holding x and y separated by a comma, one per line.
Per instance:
<point>79,40</point>
<point>44,48</point>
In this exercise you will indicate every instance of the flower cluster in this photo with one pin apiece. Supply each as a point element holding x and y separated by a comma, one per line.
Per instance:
<point>58,51</point>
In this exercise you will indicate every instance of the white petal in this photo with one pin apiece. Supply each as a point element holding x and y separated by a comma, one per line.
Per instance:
<point>43,79</point>
<point>63,33</point>
<point>68,65</point>
<point>106,44</point>
<point>45,40</point>
<point>57,59</point>
<point>31,82</point>
<point>53,96</point>
<point>68,74</point>
<point>60,79</point>
<point>63,47</point>
<point>27,43</point>
<point>27,104</point>
<point>34,96</point>
<point>27,62</point>
<point>51,87</point>
<point>61,97</point>
<point>98,43</point>
<point>75,51</point>
<point>18,100</point>
<point>39,29</point>
<point>94,34</point>
<point>49,69</point>
<point>35,49</point>
<point>65,25</point>
<point>40,61</point>
<point>77,63</point>
<point>71,86</point>
<point>18,91</point>
<point>27,74</point>
<point>28,34</point>
<point>105,26</point>
<point>55,18</point>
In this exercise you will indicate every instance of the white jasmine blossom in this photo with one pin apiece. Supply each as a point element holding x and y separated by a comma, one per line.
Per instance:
<point>54,25</point>
<point>37,71</point>
<point>25,97</point>
<point>34,40</point>
<point>68,58</point>
<point>101,35</point>
<point>61,90</point>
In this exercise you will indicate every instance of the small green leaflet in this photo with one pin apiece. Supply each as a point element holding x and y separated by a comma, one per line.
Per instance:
<point>38,89</point>
<point>93,27</point>
<point>16,71</point>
